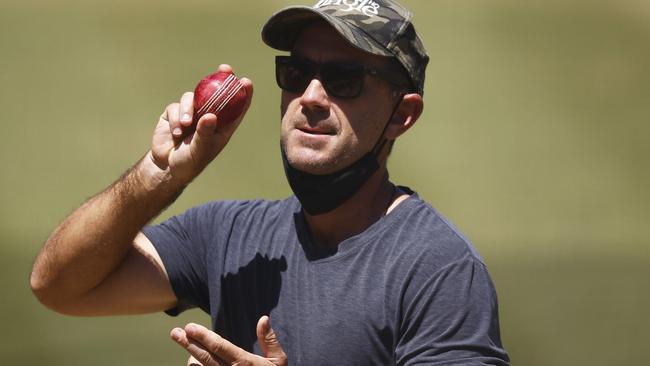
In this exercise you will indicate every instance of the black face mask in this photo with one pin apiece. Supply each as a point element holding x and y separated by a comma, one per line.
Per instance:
<point>320,194</point>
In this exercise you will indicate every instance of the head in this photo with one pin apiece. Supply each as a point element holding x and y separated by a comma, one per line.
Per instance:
<point>326,126</point>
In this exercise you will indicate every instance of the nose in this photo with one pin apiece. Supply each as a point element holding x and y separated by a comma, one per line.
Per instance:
<point>315,96</point>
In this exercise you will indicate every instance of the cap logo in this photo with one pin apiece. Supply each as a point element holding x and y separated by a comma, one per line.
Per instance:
<point>367,7</point>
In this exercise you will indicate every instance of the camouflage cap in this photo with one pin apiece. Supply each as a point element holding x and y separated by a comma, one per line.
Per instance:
<point>380,27</point>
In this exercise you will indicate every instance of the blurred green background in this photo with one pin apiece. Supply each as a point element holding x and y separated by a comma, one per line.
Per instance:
<point>535,141</point>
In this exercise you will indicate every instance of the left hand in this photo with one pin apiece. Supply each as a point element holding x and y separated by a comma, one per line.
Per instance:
<point>210,349</point>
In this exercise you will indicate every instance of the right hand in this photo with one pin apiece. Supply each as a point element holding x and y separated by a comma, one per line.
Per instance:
<point>183,149</point>
<point>209,349</point>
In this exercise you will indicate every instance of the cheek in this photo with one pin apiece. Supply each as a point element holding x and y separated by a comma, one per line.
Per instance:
<point>284,104</point>
<point>363,126</point>
<point>289,105</point>
<point>287,113</point>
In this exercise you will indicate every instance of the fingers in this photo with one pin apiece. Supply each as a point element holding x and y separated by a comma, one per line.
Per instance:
<point>193,362</point>
<point>263,328</point>
<point>269,343</point>
<point>186,110</point>
<point>172,117</point>
<point>228,129</point>
<point>205,143</point>
<point>179,115</point>
<point>162,142</point>
<point>209,349</point>
<point>214,343</point>
<point>206,125</point>
<point>225,68</point>
<point>199,355</point>
<point>204,356</point>
<point>207,346</point>
<point>248,86</point>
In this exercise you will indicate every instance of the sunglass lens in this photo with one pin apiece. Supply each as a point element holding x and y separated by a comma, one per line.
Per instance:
<point>343,80</point>
<point>293,75</point>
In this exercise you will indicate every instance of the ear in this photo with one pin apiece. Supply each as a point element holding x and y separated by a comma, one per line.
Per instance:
<point>407,113</point>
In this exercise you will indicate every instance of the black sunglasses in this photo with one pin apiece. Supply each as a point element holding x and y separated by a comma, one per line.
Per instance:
<point>340,79</point>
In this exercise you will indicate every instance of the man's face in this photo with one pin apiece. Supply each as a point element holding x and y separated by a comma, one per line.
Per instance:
<point>321,133</point>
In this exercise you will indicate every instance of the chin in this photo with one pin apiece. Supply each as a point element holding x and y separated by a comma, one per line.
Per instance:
<point>317,156</point>
<point>310,160</point>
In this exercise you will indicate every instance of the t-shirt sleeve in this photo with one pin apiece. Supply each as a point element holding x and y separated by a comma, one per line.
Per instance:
<point>183,242</point>
<point>451,318</point>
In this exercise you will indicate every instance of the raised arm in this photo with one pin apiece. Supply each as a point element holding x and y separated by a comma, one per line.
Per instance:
<point>97,262</point>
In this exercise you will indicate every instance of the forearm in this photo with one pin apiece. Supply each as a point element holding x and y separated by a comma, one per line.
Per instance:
<point>92,242</point>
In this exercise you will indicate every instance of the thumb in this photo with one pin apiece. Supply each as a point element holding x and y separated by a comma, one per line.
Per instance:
<point>206,126</point>
<point>269,343</point>
<point>205,144</point>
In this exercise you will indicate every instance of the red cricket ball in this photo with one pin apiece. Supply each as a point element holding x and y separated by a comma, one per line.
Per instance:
<point>221,93</point>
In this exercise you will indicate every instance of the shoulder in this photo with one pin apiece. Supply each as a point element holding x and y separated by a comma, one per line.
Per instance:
<point>242,210</point>
<point>443,284</point>
<point>218,218</point>
<point>424,237</point>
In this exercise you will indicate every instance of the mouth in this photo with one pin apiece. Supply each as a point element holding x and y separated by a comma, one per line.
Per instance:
<point>316,131</point>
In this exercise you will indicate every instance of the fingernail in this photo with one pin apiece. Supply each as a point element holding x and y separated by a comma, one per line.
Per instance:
<point>177,131</point>
<point>186,117</point>
<point>211,123</point>
<point>177,334</point>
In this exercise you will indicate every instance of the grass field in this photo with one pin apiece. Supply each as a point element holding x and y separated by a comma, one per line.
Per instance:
<point>535,142</point>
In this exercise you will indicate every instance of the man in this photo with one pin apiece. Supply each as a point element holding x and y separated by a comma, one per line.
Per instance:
<point>352,269</point>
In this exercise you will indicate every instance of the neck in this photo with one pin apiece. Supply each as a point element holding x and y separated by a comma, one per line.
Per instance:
<point>368,205</point>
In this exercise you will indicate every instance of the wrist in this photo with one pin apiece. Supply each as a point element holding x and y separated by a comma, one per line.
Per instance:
<point>151,178</point>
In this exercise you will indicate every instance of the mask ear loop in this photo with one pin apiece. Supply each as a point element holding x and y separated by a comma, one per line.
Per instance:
<point>379,145</point>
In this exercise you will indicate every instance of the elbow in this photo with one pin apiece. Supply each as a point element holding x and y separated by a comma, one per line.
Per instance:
<point>41,281</point>
<point>47,294</point>
<point>41,288</point>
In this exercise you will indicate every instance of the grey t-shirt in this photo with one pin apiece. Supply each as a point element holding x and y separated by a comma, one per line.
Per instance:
<point>408,290</point>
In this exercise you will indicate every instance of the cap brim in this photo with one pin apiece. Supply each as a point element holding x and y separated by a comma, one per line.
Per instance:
<point>283,28</point>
